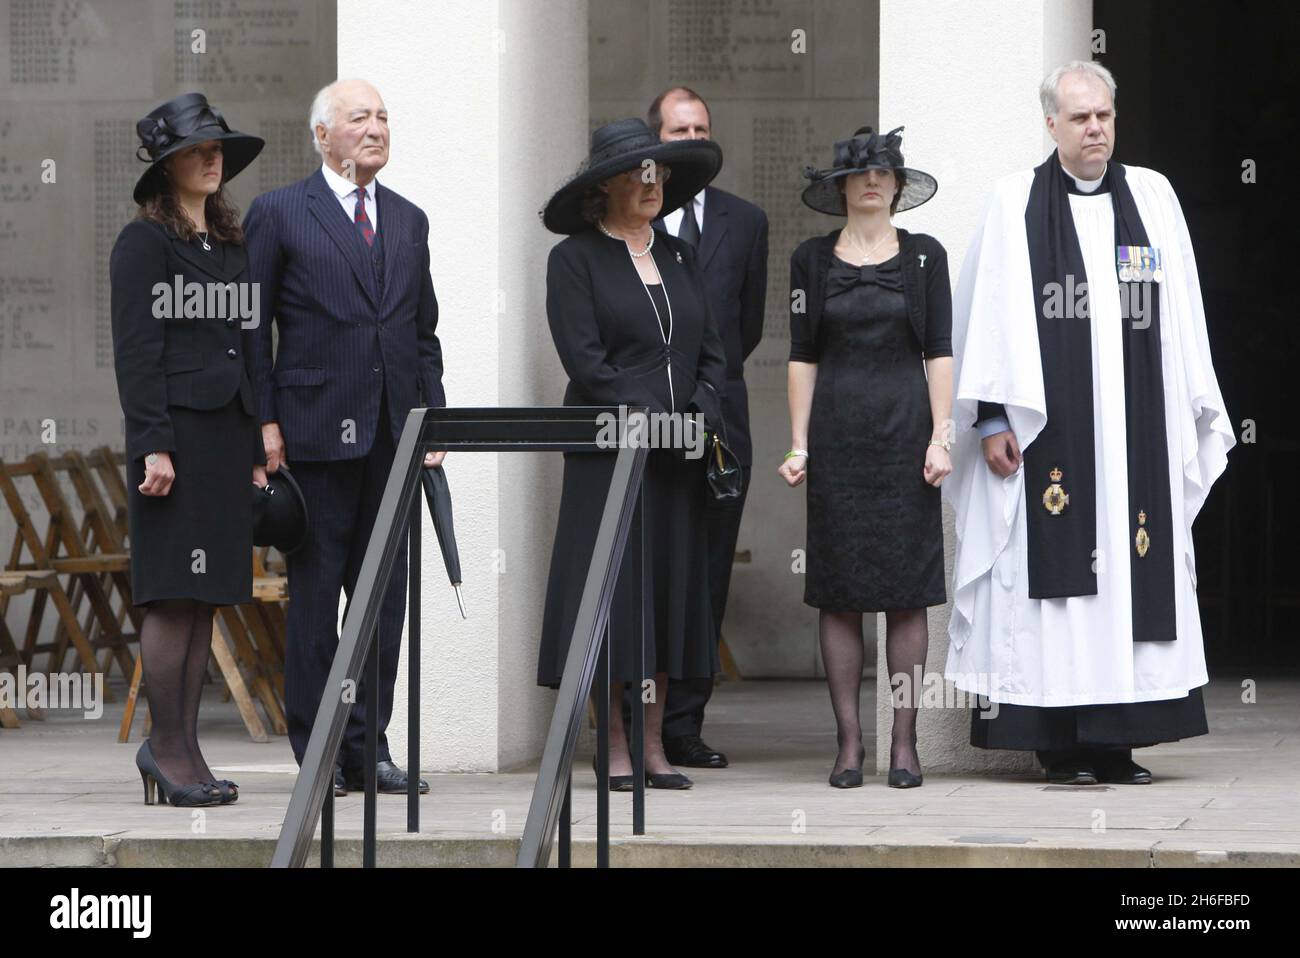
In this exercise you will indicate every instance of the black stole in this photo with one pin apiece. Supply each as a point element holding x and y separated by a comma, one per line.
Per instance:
<point>1062,560</point>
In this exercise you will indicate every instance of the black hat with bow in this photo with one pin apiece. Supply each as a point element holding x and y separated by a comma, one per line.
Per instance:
<point>625,145</point>
<point>863,151</point>
<point>185,121</point>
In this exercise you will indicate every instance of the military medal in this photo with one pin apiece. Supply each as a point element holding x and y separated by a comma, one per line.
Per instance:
<point>1055,499</point>
<point>1158,274</point>
<point>1147,272</point>
<point>1125,258</point>
<point>1142,541</point>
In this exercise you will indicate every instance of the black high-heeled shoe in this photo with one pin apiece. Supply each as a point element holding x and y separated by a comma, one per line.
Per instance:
<point>849,777</point>
<point>674,780</point>
<point>902,778</point>
<point>617,783</point>
<point>229,790</point>
<point>181,796</point>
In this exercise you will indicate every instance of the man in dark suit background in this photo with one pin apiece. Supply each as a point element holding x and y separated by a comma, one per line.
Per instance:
<point>343,264</point>
<point>731,236</point>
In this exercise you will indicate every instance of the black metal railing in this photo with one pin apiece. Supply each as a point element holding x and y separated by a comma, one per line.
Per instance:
<point>565,429</point>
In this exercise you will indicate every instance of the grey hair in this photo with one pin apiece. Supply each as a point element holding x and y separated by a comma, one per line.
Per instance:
<point>322,112</point>
<point>1051,83</point>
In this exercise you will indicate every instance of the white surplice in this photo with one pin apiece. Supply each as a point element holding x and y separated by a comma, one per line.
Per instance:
<point>1078,650</point>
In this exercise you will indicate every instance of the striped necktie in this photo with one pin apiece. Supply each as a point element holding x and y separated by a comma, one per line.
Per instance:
<point>361,219</point>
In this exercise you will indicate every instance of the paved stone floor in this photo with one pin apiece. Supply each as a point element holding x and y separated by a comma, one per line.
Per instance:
<point>70,795</point>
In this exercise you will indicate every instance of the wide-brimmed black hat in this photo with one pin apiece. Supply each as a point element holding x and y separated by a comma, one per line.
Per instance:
<point>279,512</point>
<point>863,151</point>
<point>624,145</point>
<point>184,121</point>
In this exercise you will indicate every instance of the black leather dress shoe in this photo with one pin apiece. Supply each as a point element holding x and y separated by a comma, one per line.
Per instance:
<point>1072,772</point>
<point>390,779</point>
<point>690,750</point>
<point>340,784</point>
<point>1122,770</point>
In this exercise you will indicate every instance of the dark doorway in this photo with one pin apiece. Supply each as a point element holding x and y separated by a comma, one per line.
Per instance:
<point>1204,87</point>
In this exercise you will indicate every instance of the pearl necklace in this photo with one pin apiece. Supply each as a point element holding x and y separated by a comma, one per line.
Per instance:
<point>648,246</point>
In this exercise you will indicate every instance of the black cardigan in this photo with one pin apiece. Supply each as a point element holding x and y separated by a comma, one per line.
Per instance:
<point>609,339</point>
<point>925,289</point>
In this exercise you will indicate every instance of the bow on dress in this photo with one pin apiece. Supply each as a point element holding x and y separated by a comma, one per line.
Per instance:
<point>844,277</point>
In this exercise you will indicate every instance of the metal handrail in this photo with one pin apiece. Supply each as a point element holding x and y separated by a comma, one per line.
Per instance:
<point>565,429</point>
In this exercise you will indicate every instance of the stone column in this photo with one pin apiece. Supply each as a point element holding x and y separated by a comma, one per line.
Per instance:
<point>488,113</point>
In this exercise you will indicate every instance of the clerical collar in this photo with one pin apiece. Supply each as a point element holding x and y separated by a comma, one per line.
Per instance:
<point>1087,186</point>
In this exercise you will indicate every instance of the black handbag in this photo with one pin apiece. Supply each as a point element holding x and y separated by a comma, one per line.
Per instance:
<point>726,480</point>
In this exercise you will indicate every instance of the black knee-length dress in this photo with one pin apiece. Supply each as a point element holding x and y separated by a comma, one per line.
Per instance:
<point>875,532</point>
<point>184,390</point>
<point>617,349</point>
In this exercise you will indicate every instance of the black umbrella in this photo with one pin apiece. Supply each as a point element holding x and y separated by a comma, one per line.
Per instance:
<point>438,496</point>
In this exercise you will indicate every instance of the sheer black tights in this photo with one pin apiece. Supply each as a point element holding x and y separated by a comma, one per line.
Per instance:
<point>906,643</point>
<point>175,640</point>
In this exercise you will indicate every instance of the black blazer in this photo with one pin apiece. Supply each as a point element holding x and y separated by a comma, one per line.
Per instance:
<point>197,363</point>
<point>609,339</point>
<point>925,287</point>
<point>345,338</point>
<point>733,258</point>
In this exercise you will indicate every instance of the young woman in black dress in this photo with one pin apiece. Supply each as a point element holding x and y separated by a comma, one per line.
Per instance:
<point>631,322</point>
<point>870,391</point>
<point>192,442</point>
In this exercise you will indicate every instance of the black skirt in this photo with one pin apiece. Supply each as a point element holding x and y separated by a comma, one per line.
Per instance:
<point>1062,728</point>
<point>679,636</point>
<point>196,542</point>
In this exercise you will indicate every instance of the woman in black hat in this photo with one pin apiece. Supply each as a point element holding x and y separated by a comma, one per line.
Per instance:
<point>630,320</point>
<point>180,299</point>
<point>870,384</point>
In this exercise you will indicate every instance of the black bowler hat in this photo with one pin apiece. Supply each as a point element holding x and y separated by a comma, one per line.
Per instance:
<point>279,513</point>
<point>624,145</point>
<point>184,121</point>
<point>863,151</point>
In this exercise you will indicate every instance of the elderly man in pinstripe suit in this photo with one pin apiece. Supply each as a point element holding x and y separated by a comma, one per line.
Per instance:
<point>343,264</point>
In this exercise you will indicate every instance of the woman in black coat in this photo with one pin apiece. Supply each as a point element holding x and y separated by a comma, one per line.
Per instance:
<point>870,385</point>
<point>180,302</point>
<point>630,320</point>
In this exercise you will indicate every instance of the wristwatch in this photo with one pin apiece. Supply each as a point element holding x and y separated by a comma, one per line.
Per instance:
<point>943,444</point>
<point>150,459</point>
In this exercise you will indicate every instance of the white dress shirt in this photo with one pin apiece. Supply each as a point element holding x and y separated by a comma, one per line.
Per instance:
<point>345,190</point>
<point>674,219</point>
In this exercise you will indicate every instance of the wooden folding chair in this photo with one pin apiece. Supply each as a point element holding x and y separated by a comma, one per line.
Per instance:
<point>38,574</point>
<point>93,555</point>
<point>108,466</point>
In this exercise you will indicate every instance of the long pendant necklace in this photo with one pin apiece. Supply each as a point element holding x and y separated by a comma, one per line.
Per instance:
<point>203,238</point>
<point>659,323</point>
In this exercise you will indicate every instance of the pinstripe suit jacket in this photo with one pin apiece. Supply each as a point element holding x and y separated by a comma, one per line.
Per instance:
<point>343,337</point>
